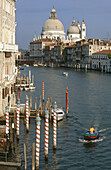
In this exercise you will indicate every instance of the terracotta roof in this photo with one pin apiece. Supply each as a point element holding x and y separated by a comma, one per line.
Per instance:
<point>42,40</point>
<point>103,52</point>
<point>50,44</point>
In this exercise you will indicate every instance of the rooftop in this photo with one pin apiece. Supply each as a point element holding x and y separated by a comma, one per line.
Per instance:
<point>103,52</point>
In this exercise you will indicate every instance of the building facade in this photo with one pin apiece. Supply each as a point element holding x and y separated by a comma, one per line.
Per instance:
<point>102,61</point>
<point>37,49</point>
<point>8,48</point>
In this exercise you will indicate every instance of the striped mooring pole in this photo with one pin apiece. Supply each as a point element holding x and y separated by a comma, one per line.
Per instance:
<point>7,121</point>
<point>43,91</point>
<point>67,103</point>
<point>18,117</point>
<point>54,126</point>
<point>27,114</point>
<point>37,140</point>
<point>46,133</point>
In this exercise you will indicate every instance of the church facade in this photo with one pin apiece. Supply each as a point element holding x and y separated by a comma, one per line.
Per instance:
<point>54,29</point>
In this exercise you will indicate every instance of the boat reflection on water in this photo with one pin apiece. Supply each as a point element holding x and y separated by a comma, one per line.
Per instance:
<point>90,146</point>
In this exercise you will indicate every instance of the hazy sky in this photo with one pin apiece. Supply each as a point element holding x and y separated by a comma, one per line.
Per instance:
<point>32,14</point>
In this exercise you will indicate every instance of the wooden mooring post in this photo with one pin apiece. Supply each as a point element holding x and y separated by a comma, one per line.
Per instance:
<point>35,103</point>
<point>40,105</point>
<point>25,157</point>
<point>33,156</point>
<point>30,102</point>
<point>50,108</point>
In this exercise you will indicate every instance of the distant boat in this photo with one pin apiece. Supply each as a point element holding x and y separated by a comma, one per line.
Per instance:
<point>26,65</point>
<point>21,68</point>
<point>41,65</point>
<point>50,65</point>
<point>65,74</point>
<point>35,65</point>
<point>26,87</point>
<point>32,87</point>
<point>59,114</point>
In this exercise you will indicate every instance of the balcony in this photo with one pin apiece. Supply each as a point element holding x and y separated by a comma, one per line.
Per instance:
<point>8,47</point>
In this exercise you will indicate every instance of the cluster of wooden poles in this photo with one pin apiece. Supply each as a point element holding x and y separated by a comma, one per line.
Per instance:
<point>47,115</point>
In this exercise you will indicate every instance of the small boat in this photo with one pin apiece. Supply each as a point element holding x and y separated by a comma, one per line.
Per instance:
<point>65,74</point>
<point>31,87</point>
<point>21,68</point>
<point>59,114</point>
<point>50,65</point>
<point>91,136</point>
<point>26,88</point>
<point>35,65</point>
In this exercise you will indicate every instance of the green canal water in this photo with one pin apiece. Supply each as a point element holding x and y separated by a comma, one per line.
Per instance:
<point>89,104</point>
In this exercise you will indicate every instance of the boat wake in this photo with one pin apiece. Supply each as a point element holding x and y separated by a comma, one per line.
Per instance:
<point>91,141</point>
<point>103,130</point>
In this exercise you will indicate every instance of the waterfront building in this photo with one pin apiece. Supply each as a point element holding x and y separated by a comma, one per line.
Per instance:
<point>102,60</point>
<point>37,49</point>
<point>56,54</point>
<point>47,52</point>
<point>53,29</point>
<point>90,47</point>
<point>69,55</point>
<point>8,48</point>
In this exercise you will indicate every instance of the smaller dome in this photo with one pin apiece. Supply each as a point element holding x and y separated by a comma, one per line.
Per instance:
<point>73,29</point>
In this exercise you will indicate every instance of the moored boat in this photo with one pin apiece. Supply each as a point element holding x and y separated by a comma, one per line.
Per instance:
<point>65,74</point>
<point>91,136</point>
<point>59,114</point>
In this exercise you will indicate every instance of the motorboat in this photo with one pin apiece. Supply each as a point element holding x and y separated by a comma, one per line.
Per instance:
<point>65,74</point>
<point>91,136</point>
<point>31,87</point>
<point>35,65</point>
<point>59,114</point>
<point>21,68</point>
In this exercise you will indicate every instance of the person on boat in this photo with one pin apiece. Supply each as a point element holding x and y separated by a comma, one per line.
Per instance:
<point>92,130</point>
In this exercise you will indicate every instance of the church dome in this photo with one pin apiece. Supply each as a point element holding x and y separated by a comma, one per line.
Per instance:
<point>53,24</point>
<point>73,29</point>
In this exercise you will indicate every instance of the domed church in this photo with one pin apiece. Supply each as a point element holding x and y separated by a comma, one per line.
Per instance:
<point>53,28</point>
<point>76,32</point>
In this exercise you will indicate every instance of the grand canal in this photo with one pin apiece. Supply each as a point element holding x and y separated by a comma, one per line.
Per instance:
<point>89,104</point>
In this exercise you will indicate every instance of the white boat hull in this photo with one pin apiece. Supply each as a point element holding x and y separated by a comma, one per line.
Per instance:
<point>59,114</point>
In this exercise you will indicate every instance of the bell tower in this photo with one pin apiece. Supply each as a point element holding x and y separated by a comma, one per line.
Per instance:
<point>83,30</point>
